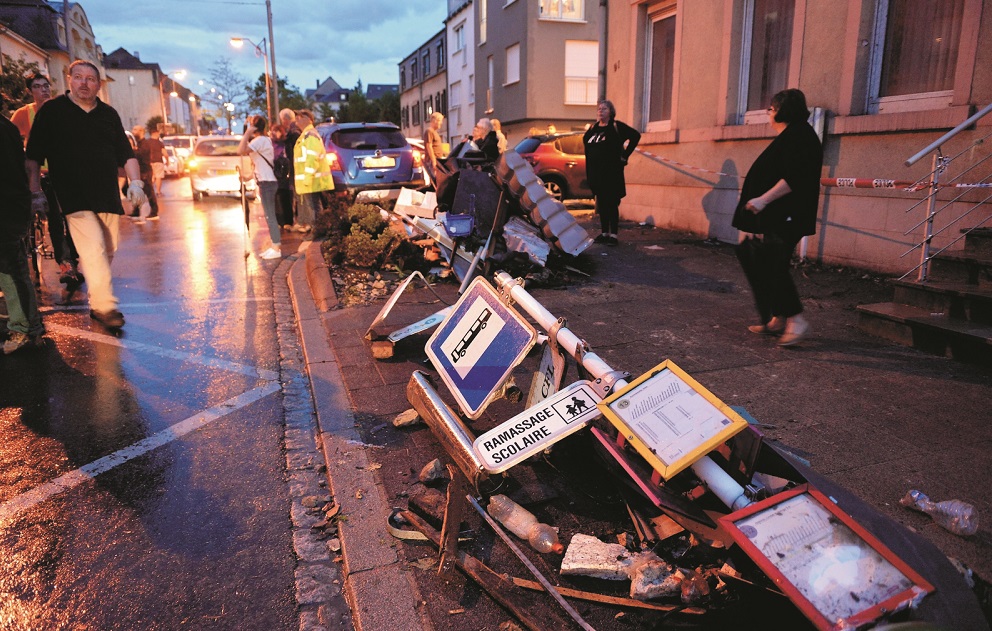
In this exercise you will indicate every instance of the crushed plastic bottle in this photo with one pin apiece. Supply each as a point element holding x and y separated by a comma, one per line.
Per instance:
<point>954,515</point>
<point>523,524</point>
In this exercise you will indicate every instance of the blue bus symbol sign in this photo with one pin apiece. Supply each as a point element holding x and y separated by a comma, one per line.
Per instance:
<point>478,344</point>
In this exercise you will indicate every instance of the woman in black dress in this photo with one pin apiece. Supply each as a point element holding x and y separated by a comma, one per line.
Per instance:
<point>778,207</point>
<point>608,145</point>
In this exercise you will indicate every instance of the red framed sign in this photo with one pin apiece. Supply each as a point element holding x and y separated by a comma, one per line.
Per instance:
<point>835,571</point>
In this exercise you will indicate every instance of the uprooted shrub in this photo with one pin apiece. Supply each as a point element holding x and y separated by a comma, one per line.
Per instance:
<point>355,235</point>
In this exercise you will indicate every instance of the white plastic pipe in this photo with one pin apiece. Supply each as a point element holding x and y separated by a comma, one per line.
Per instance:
<point>716,479</point>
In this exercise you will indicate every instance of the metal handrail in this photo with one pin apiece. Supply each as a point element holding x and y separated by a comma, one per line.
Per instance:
<point>933,146</point>
<point>940,163</point>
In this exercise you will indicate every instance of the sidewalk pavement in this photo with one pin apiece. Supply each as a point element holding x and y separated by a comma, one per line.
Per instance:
<point>876,418</point>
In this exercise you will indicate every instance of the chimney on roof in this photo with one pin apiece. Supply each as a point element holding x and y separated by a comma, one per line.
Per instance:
<point>137,55</point>
<point>318,83</point>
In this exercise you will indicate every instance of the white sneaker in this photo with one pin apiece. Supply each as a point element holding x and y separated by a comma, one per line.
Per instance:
<point>271,253</point>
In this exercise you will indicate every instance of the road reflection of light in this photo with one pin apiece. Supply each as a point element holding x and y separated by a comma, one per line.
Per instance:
<point>201,281</point>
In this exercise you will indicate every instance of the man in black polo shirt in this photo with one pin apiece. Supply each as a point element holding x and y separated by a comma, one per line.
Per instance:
<point>84,142</point>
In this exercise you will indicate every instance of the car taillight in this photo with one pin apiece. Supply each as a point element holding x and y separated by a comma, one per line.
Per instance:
<point>418,159</point>
<point>333,162</point>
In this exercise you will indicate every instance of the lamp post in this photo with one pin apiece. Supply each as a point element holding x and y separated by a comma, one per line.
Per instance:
<point>260,50</point>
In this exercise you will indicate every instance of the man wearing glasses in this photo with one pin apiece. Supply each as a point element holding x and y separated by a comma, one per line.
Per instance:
<point>65,251</point>
<point>83,140</point>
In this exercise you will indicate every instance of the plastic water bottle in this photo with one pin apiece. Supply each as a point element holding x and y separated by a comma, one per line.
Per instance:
<point>523,524</point>
<point>954,515</point>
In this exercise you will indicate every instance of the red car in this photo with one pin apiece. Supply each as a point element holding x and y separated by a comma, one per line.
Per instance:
<point>560,161</point>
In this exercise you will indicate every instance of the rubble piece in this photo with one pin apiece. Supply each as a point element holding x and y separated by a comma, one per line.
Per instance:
<point>407,418</point>
<point>772,483</point>
<point>522,237</point>
<point>376,196</point>
<point>609,600</point>
<point>654,578</point>
<point>665,527</point>
<point>416,204</point>
<point>432,472</point>
<point>588,556</point>
<point>695,589</point>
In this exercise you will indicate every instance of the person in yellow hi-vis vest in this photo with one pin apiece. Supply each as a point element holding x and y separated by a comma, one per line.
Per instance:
<point>312,172</point>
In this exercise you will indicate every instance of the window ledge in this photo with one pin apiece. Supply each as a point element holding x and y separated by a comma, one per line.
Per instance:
<point>566,20</point>
<point>900,121</point>
<point>660,137</point>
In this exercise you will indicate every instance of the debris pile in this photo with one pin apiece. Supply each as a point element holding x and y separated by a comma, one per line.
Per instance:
<point>720,520</point>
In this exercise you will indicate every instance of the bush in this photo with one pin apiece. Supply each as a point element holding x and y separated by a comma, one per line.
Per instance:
<point>364,249</point>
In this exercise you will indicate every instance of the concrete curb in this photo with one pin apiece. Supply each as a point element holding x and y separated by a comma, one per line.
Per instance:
<point>381,593</point>
<point>319,278</point>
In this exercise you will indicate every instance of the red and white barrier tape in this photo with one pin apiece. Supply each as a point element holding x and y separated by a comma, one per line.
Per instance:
<point>687,166</point>
<point>906,185</point>
<point>838,182</point>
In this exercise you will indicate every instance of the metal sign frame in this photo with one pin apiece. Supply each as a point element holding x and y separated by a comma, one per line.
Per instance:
<point>478,345</point>
<point>670,419</point>
<point>837,573</point>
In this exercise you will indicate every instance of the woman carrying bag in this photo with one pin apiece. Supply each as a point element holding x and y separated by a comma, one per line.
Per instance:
<point>778,207</point>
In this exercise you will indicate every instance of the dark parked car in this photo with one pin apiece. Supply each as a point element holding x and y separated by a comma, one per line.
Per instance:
<point>366,156</point>
<point>560,161</point>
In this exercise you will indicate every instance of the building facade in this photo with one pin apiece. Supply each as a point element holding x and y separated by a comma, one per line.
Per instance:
<point>140,91</point>
<point>887,78</point>
<point>537,64</point>
<point>460,27</point>
<point>423,85</point>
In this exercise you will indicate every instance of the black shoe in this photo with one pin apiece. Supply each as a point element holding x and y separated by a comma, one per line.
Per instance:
<point>601,239</point>
<point>612,242</point>
<point>112,319</point>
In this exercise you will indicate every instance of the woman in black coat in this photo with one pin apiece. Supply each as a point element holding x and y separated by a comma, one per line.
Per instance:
<point>608,145</point>
<point>778,205</point>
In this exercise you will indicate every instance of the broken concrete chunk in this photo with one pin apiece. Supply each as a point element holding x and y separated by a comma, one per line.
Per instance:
<point>695,589</point>
<point>654,579</point>
<point>404,419</point>
<point>432,472</point>
<point>588,556</point>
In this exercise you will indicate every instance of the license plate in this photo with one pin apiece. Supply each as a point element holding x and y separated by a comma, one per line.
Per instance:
<point>382,162</point>
<point>225,172</point>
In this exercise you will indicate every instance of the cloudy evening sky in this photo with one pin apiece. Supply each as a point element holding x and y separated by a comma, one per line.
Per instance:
<point>346,39</point>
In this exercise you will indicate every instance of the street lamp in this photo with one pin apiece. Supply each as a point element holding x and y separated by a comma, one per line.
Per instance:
<point>262,51</point>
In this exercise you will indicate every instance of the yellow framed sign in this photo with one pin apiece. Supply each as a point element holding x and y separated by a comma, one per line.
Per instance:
<point>670,419</point>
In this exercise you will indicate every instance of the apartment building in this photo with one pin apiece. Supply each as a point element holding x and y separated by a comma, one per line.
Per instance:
<point>537,63</point>
<point>460,27</point>
<point>424,85</point>
<point>888,78</point>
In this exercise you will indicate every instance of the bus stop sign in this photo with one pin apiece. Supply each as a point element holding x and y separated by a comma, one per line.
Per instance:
<point>477,346</point>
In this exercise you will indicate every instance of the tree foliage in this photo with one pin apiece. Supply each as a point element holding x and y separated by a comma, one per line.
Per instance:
<point>289,96</point>
<point>359,109</point>
<point>232,87</point>
<point>12,87</point>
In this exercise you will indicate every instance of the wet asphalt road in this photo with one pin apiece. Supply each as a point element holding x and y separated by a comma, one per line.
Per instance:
<point>141,475</point>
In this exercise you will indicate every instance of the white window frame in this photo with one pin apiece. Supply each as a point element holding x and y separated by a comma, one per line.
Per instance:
<point>588,82</point>
<point>483,21</point>
<point>556,10</point>
<point>658,14</point>
<point>903,102</point>
<point>512,64</point>
<point>454,94</point>
<point>490,78</point>
<point>760,116</point>
<point>459,37</point>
